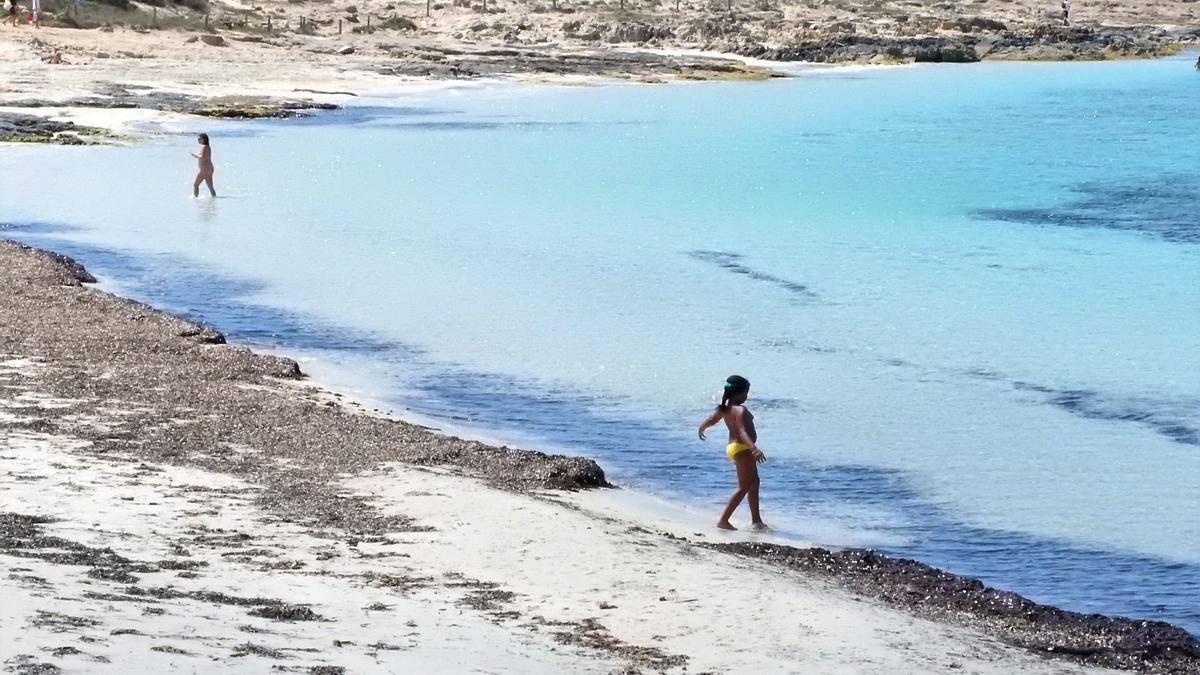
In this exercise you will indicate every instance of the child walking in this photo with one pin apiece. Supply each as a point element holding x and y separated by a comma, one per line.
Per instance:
<point>741,450</point>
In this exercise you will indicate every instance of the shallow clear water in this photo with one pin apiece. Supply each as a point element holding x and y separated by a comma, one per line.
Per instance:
<point>967,297</point>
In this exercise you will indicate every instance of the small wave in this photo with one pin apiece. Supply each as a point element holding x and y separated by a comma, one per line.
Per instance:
<point>445,125</point>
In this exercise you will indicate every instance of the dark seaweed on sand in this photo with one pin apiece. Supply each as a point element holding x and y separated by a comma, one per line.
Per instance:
<point>1093,639</point>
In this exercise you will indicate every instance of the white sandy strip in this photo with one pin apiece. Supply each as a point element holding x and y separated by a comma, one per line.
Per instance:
<point>576,556</point>
<point>152,514</point>
<point>567,558</point>
<point>403,602</point>
<point>118,120</point>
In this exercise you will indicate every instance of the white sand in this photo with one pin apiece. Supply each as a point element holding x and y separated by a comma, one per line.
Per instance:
<point>403,604</point>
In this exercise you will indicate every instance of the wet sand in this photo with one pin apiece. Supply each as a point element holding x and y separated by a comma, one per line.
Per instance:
<point>171,501</point>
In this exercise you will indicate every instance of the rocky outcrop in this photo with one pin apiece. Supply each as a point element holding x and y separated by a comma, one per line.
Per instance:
<point>906,39</point>
<point>977,39</point>
<point>630,32</point>
<point>235,107</point>
<point>19,128</point>
<point>860,48</point>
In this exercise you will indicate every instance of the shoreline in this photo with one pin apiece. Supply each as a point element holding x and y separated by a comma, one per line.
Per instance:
<point>124,73</point>
<point>281,462</point>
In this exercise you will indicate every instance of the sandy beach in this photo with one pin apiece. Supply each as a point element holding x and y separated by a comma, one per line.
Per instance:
<point>174,503</point>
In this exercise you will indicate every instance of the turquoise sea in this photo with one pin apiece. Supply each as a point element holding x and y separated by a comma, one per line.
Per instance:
<point>968,297</point>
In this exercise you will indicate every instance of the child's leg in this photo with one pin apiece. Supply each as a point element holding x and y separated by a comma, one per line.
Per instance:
<point>196,185</point>
<point>208,180</point>
<point>744,461</point>
<point>752,496</point>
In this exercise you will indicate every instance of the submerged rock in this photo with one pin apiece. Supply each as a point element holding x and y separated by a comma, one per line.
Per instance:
<point>20,128</point>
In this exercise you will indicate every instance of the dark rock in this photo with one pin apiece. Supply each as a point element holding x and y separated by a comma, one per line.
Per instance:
<point>112,574</point>
<point>972,24</point>
<point>203,335</point>
<point>287,613</point>
<point>20,128</point>
<point>30,668</point>
<point>251,649</point>
<point>637,32</point>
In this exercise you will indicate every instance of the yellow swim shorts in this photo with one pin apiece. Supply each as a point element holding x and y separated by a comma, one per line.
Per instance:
<point>733,449</point>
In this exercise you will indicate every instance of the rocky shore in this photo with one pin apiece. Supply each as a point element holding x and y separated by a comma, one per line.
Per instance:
<point>112,382</point>
<point>1044,42</point>
<point>20,128</point>
<point>283,58</point>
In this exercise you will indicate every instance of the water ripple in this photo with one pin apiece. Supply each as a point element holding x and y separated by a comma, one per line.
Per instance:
<point>733,263</point>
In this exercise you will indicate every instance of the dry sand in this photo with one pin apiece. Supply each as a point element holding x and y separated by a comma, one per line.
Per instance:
<point>501,582</point>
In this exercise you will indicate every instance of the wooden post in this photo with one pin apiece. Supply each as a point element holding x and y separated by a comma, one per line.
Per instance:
<point>368,21</point>
<point>268,23</point>
<point>485,6</point>
<point>676,5</point>
<point>154,19</point>
<point>427,8</point>
<point>339,26</point>
<point>205,22</point>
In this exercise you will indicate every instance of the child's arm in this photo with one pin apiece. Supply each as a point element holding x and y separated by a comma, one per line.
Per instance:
<point>708,422</point>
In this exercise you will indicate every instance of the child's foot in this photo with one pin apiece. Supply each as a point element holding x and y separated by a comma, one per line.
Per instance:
<point>759,526</point>
<point>724,525</point>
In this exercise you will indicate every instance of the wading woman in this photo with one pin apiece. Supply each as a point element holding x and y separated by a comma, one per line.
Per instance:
<point>741,449</point>
<point>205,172</point>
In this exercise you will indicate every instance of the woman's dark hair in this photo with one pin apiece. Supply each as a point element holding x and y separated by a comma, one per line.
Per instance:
<point>204,139</point>
<point>734,385</point>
